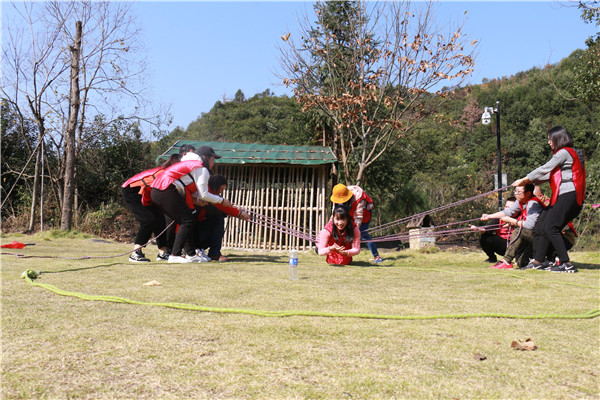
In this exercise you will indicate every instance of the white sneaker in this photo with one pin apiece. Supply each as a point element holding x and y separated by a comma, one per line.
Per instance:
<point>178,259</point>
<point>200,253</point>
<point>196,259</point>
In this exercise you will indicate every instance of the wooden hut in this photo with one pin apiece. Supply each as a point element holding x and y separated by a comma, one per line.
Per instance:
<point>287,184</point>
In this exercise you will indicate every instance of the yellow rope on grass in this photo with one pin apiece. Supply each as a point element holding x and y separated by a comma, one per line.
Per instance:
<point>30,275</point>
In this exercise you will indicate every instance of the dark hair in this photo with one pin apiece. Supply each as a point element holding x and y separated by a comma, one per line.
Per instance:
<point>528,187</point>
<point>344,212</point>
<point>560,138</point>
<point>512,198</point>
<point>185,148</point>
<point>216,181</point>
<point>173,159</point>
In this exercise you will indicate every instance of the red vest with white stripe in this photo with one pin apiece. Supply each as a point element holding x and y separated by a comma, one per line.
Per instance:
<point>578,171</point>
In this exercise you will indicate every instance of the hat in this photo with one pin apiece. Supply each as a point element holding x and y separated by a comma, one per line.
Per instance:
<point>207,151</point>
<point>340,194</point>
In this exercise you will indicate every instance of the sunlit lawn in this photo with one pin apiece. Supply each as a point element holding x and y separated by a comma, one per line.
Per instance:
<point>56,346</point>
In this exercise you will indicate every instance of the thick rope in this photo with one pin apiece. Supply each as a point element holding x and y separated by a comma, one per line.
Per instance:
<point>30,274</point>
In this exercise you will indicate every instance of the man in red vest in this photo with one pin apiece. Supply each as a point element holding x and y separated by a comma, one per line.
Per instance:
<point>522,216</point>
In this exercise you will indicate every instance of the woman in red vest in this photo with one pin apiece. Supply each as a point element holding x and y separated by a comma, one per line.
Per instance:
<point>178,190</point>
<point>340,238</point>
<point>136,192</point>
<point>566,174</point>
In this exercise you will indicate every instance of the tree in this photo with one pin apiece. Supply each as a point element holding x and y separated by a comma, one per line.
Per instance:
<point>369,70</point>
<point>39,82</point>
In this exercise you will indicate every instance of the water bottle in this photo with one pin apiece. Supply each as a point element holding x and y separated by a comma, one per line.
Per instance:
<point>293,265</point>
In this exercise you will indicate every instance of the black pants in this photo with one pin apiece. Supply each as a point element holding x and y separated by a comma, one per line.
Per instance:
<point>549,225</point>
<point>170,202</point>
<point>151,219</point>
<point>209,233</point>
<point>492,244</point>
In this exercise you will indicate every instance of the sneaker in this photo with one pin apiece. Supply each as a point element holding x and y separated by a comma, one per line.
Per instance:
<point>195,258</point>
<point>163,257</point>
<point>200,253</point>
<point>533,265</point>
<point>502,265</point>
<point>178,259</point>
<point>546,265</point>
<point>491,260</point>
<point>138,256</point>
<point>565,267</point>
<point>378,260</point>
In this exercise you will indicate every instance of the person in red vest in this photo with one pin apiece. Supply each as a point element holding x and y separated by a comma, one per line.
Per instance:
<point>566,174</point>
<point>340,238</point>
<point>361,207</point>
<point>210,223</point>
<point>136,191</point>
<point>495,241</point>
<point>178,190</point>
<point>522,216</point>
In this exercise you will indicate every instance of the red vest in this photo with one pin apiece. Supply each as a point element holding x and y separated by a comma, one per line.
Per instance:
<point>578,171</point>
<point>523,207</point>
<point>143,180</point>
<point>175,172</point>
<point>504,231</point>
<point>334,257</point>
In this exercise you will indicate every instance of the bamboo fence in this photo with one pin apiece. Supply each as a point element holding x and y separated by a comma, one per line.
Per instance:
<point>293,195</point>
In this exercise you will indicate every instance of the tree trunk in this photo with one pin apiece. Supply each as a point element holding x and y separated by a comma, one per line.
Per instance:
<point>74,103</point>
<point>34,193</point>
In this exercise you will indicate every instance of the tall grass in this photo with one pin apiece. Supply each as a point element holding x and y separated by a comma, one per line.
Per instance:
<point>62,347</point>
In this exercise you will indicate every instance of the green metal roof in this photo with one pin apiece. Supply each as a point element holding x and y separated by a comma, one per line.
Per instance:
<point>248,153</point>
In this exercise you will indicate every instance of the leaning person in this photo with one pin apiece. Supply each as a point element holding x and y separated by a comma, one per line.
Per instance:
<point>566,174</point>
<point>360,205</point>
<point>210,222</point>
<point>136,195</point>
<point>340,238</point>
<point>178,190</point>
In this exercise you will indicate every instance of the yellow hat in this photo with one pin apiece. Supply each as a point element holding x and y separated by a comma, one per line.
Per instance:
<point>340,194</point>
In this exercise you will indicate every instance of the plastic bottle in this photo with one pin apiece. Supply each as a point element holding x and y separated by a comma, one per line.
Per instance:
<point>294,265</point>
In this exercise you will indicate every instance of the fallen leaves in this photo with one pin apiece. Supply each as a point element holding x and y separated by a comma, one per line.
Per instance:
<point>527,345</point>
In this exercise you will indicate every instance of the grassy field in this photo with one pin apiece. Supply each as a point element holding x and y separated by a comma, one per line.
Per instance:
<point>56,346</point>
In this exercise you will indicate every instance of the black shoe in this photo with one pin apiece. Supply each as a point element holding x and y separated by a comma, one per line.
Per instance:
<point>532,265</point>
<point>565,267</point>
<point>164,257</point>
<point>547,265</point>
<point>491,260</point>
<point>138,256</point>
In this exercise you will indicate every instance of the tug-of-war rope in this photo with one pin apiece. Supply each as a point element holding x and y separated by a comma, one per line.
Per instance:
<point>301,232</point>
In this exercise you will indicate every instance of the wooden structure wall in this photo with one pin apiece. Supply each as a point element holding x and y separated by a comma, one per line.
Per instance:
<point>294,195</point>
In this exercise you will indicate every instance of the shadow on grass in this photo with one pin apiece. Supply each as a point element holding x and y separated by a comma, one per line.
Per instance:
<point>586,266</point>
<point>81,268</point>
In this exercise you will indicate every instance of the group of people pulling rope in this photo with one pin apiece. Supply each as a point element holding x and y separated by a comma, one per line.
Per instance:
<point>181,203</point>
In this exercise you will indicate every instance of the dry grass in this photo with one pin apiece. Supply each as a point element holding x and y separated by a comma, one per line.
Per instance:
<point>63,347</point>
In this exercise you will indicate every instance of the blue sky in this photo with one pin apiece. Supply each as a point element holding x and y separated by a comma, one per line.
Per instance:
<point>200,52</point>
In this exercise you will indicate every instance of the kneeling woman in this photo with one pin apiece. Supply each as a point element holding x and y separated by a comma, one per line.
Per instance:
<point>340,238</point>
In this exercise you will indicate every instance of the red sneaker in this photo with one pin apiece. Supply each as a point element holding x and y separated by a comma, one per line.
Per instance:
<point>502,265</point>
